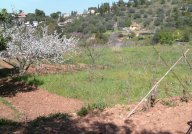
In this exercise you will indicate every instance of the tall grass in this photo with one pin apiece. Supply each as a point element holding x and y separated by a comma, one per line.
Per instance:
<point>129,77</point>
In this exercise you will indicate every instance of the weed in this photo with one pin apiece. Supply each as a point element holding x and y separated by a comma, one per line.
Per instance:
<point>168,103</point>
<point>83,111</point>
<point>96,106</point>
<point>99,106</point>
<point>8,104</point>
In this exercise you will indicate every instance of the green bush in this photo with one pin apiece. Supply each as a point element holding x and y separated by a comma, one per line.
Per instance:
<point>101,38</point>
<point>163,36</point>
<point>168,36</point>
<point>83,111</point>
<point>96,106</point>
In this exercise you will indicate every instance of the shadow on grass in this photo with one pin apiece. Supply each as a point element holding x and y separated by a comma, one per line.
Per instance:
<point>64,124</point>
<point>10,87</point>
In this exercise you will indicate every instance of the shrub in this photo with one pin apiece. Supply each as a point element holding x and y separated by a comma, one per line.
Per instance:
<point>96,106</point>
<point>109,25</point>
<point>145,16</point>
<point>124,22</point>
<point>146,22</point>
<point>83,111</point>
<point>157,22</point>
<point>137,15</point>
<point>168,36</point>
<point>162,1</point>
<point>131,10</point>
<point>101,38</point>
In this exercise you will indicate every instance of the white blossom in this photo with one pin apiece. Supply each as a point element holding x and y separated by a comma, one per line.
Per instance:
<point>28,45</point>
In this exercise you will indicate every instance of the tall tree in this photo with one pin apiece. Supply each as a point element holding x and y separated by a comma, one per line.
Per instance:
<point>39,13</point>
<point>3,17</point>
<point>54,15</point>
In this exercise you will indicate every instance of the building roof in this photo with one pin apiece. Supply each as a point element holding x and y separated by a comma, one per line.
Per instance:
<point>22,15</point>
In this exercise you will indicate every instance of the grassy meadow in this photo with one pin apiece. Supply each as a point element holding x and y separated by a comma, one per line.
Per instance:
<point>130,73</point>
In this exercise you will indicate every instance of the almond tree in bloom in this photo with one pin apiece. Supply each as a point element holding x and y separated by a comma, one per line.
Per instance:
<point>28,46</point>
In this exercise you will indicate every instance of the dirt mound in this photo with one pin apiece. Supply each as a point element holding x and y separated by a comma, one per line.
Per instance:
<point>52,69</point>
<point>55,69</point>
<point>161,119</point>
<point>41,103</point>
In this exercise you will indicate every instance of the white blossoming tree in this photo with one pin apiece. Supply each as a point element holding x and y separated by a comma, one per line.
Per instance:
<point>28,46</point>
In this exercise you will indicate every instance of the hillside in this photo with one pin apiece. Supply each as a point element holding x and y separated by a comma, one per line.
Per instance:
<point>169,16</point>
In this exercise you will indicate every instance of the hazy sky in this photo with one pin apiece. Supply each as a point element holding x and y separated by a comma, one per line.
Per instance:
<point>49,6</point>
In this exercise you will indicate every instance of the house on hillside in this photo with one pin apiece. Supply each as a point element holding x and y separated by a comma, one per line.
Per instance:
<point>32,24</point>
<point>21,17</point>
<point>92,10</point>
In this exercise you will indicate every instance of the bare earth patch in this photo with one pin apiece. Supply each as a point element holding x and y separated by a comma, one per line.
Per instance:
<point>30,102</point>
<point>41,103</point>
<point>6,112</point>
<point>160,119</point>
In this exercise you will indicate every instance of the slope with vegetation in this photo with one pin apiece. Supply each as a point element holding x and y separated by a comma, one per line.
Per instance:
<point>169,19</point>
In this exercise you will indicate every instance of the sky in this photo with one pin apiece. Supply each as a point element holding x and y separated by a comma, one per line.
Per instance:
<point>50,6</point>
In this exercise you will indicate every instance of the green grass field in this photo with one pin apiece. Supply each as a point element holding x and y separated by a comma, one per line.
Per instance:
<point>130,74</point>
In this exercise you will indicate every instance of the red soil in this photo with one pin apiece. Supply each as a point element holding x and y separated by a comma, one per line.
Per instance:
<point>32,103</point>
<point>6,112</point>
<point>41,103</point>
<point>160,119</point>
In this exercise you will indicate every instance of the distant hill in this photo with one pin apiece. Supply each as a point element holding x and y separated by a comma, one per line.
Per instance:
<point>150,14</point>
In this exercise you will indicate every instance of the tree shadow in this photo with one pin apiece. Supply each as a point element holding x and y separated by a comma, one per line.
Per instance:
<point>4,72</point>
<point>64,124</point>
<point>10,87</point>
<point>151,132</point>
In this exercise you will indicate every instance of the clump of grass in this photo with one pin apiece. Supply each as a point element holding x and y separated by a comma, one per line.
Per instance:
<point>168,103</point>
<point>8,104</point>
<point>100,106</point>
<point>83,111</point>
<point>96,106</point>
